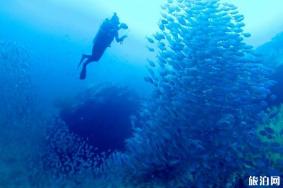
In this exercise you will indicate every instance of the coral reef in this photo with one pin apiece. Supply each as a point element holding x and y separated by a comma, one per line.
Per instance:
<point>271,134</point>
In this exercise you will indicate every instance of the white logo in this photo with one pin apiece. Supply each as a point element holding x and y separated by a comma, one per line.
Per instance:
<point>253,181</point>
<point>264,181</point>
<point>275,180</point>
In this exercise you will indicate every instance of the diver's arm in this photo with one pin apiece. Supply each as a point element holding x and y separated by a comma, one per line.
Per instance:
<point>123,26</point>
<point>120,39</point>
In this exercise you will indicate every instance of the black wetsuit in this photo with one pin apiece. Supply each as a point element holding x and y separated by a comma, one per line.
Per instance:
<point>107,33</point>
<point>103,39</point>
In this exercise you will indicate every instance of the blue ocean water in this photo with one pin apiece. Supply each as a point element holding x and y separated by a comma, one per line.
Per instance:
<point>191,97</point>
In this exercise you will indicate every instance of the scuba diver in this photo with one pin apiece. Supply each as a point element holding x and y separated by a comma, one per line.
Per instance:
<point>108,31</point>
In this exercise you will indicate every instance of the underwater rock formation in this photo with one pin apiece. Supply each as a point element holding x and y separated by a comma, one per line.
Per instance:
<point>210,90</point>
<point>272,51</point>
<point>277,88</point>
<point>271,134</point>
<point>86,132</point>
<point>103,117</point>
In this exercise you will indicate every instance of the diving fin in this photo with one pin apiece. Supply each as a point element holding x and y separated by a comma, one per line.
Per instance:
<point>83,73</point>
<point>79,64</point>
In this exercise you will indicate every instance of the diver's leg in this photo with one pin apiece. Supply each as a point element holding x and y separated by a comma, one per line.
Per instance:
<point>84,56</point>
<point>83,72</point>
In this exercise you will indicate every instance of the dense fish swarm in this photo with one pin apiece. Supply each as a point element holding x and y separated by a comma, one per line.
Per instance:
<point>16,87</point>
<point>210,90</point>
<point>20,123</point>
<point>66,154</point>
<point>88,129</point>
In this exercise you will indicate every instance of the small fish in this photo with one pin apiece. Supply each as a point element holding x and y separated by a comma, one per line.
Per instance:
<point>149,80</point>
<point>182,21</point>
<point>163,73</point>
<point>150,40</point>
<point>162,62</point>
<point>159,36</point>
<point>164,15</point>
<point>163,21</point>
<point>164,6</point>
<point>246,35</point>
<point>161,46</point>
<point>151,63</point>
<point>238,30</point>
<point>161,27</point>
<point>230,6</point>
<point>150,49</point>
<point>180,56</point>
<point>269,130</point>
<point>239,25</point>
<point>270,137</point>
<point>239,17</point>
<point>151,72</point>
<point>248,47</point>
<point>168,54</point>
<point>234,12</point>
<point>273,97</point>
